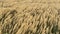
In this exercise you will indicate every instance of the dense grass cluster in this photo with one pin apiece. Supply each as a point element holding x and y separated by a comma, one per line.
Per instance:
<point>30,21</point>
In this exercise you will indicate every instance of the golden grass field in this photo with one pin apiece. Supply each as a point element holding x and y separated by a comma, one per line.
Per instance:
<point>29,16</point>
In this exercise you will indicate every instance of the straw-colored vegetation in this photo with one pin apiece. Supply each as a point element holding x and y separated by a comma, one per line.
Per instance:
<point>28,17</point>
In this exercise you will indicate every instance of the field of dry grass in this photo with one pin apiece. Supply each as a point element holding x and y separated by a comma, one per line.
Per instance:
<point>29,17</point>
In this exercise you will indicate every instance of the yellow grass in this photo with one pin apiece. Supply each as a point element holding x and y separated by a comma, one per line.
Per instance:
<point>30,17</point>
